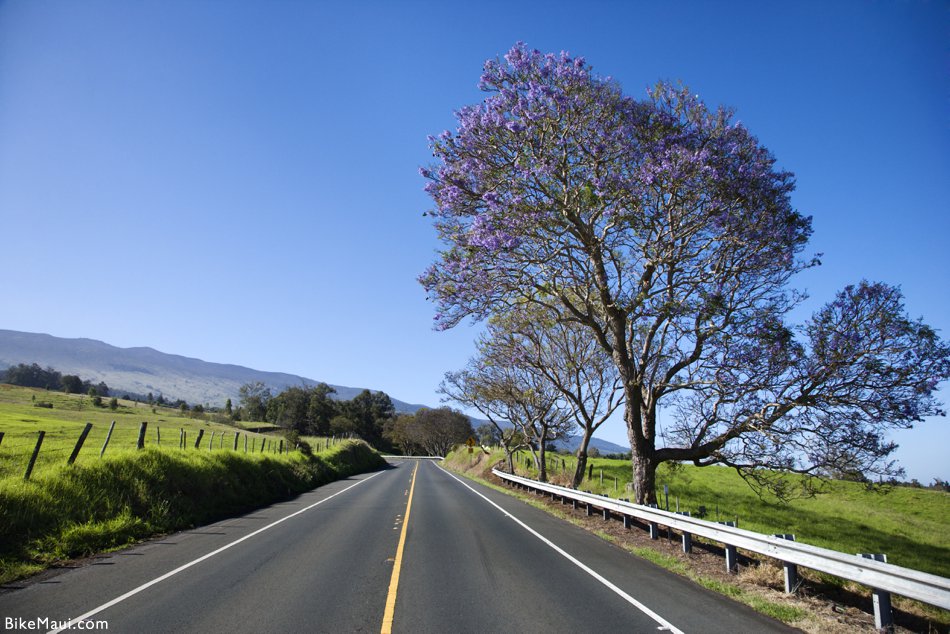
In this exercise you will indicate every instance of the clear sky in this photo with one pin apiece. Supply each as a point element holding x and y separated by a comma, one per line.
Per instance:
<point>237,181</point>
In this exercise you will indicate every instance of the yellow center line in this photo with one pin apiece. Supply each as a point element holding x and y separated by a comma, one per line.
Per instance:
<point>397,565</point>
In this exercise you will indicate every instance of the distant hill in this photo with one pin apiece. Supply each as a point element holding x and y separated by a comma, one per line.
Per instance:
<point>605,447</point>
<point>144,370</point>
<point>139,371</point>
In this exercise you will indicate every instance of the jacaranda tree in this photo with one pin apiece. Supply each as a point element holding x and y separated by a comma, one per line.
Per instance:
<point>665,229</point>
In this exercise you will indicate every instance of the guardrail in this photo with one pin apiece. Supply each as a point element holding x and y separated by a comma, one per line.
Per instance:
<point>880,576</point>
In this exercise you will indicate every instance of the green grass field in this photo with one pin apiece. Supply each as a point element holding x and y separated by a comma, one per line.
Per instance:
<point>21,420</point>
<point>912,526</point>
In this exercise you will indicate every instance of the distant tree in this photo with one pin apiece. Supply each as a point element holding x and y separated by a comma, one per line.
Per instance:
<point>183,407</point>
<point>488,434</point>
<point>507,395</point>
<point>342,426</point>
<point>321,409</point>
<point>32,375</point>
<point>396,433</point>
<point>563,355</point>
<point>289,409</point>
<point>150,398</point>
<point>254,398</point>
<point>436,431</point>
<point>113,403</point>
<point>72,384</point>
<point>369,412</point>
<point>228,410</point>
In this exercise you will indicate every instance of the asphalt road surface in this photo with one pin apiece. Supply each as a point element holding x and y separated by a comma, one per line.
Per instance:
<point>409,549</point>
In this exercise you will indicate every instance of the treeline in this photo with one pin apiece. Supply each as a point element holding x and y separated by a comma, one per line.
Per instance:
<point>369,415</point>
<point>33,375</point>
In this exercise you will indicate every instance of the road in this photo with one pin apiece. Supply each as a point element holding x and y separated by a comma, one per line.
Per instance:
<point>412,548</point>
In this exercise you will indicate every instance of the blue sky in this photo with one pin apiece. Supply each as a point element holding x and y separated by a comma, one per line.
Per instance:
<point>237,181</point>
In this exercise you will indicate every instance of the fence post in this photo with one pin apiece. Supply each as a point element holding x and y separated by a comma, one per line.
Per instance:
<point>82,439</point>
<point>883,616</point>
<point>181,437</point>
<point>108,436</point>
<point>36,452</point>
<point>184,439</point>
<point>791,570</point>
<point>1,437</point>
<point>237,435</point>
<point>141,442</point>
<point>211,442</point>
<point>281,447</point>
<point>221,442</point>
<point>201,433</point>
<point>158,436</point>
<point>245,443</point>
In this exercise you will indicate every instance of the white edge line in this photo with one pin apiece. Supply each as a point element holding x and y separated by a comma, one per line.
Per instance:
<point>626,597</point>
<point>149,584</point>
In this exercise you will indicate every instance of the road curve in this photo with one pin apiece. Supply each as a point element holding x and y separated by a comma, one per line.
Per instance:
<point>469,559</point>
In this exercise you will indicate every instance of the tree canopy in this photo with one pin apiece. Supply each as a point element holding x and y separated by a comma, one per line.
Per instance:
<point>665,230</point>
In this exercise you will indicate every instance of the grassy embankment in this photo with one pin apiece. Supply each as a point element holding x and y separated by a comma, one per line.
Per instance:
<point>98,504</point>
<point>21,418</point>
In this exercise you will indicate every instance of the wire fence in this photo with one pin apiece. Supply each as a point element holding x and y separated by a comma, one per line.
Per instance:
<point>24,453</point>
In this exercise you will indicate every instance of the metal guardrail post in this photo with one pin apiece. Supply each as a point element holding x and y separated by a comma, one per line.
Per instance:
<point>790,570</point>
<point>687,537</point>
<point>654,527</point>
<point>883,614</point>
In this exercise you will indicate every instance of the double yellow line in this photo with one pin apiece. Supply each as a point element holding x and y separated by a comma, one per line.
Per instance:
<point>397,565</point>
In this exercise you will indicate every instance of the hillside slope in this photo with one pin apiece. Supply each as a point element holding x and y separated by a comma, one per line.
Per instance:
<point>144,370</point>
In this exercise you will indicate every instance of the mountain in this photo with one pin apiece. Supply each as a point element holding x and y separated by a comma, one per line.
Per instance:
<point>140,371</point>
<point>605,447</point>
<point>144,370</point>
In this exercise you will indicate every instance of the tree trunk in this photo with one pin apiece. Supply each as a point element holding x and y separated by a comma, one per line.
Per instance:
<point>643,452</point>
<point>581,459</point>
<point>644,481</point>
<point>542,464</point>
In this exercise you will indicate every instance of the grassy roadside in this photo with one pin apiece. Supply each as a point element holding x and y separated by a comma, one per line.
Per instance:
<point>24,412</point>
<point>911,525</point>
<point>823,604</point>
<point>67,512</point>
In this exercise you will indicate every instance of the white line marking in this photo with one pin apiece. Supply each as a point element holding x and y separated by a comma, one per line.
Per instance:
<point>664,624</point>
<point>174,572</point>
